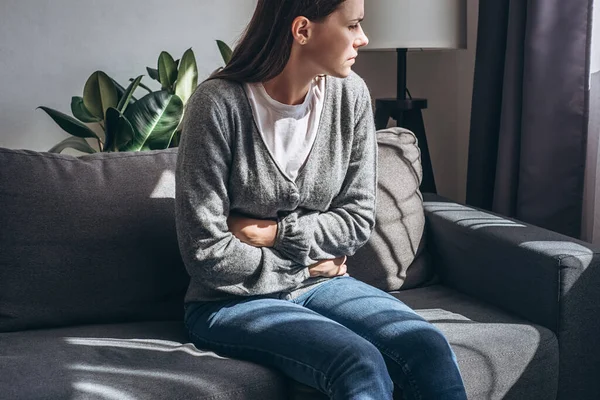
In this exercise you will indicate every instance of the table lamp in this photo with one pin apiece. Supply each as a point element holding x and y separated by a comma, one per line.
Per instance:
<point>400,25</point>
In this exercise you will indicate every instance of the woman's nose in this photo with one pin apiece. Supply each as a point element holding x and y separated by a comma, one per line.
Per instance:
<point>362,39</point>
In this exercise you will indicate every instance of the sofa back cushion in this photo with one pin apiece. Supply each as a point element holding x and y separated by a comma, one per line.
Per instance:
<point>89,239</point>
<point>394,257</point>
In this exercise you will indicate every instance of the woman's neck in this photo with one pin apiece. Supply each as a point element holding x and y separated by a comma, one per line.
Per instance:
<point>290,86</point>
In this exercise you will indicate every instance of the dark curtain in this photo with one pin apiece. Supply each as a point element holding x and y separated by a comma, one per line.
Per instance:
<point>529,115</point>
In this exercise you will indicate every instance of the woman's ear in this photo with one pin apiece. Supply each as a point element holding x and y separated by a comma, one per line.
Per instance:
<point>301,29</point>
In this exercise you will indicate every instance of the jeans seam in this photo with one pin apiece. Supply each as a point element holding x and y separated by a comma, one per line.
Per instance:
<point>312,291</point>
<point>210,342</point>
<point>398,360</point>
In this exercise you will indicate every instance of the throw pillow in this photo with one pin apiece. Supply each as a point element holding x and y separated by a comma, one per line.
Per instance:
<point>89,239</point>
<point>394,256</point>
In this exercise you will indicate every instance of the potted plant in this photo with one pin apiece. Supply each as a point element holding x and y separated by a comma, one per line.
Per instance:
<point>131,124</point>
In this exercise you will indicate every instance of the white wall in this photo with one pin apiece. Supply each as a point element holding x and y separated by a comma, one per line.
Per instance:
<point>595,51</point>
<point>48,48</point>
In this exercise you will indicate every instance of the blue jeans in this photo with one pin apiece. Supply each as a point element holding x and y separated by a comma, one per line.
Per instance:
<point>345,338</point>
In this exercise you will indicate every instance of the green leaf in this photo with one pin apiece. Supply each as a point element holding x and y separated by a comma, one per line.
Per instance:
<point>119,131</point>
<point>128,94</point>
<point>142,86</point>
<point>176,138</point>
<point>69,124</point>
<point>76,143</point>
<point>80,112</point>
<point>225,50</point>
<point>121,91</point>
<point>153,73</point>
<point>187,77</point>
<point>167,70</point>
<point>126,133</point>
<point>154,118</point>
<point>99,94</point>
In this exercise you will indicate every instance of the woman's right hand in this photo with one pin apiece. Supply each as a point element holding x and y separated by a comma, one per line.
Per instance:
<point>329,268</point>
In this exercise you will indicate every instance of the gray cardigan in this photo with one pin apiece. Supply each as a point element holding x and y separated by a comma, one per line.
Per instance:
<point>224,166</point>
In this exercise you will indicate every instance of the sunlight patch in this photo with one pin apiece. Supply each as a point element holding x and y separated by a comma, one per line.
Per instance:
<point>164,189</point>
<point>102,391</point>
<point>469,217</point>
<point>143,344</point>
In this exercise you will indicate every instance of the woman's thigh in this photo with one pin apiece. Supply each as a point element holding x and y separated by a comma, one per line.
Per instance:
<point>418,356</point>
<point>364,309</point>
<point>303,344</point>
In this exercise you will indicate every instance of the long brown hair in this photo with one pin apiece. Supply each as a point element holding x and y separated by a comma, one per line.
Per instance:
<point>266,44</point>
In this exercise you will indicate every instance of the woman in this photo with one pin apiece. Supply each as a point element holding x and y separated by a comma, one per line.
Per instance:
<point>276,183</point>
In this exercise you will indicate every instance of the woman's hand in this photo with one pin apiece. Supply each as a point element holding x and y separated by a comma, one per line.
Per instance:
<point>255,232</point>
<point>329,268</point>
<point>262,233</point>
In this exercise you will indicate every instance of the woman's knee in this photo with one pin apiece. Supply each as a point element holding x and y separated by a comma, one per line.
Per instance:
<point>364,353</point>
<point>358,366</point>
<point>425,344</point>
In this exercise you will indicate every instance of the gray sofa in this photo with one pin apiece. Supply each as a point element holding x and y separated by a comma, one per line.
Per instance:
<point>91,289</point>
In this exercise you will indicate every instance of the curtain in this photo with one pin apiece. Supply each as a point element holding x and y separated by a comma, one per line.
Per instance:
<point>530,112</point>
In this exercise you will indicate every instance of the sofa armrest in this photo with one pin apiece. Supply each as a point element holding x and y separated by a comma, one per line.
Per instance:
<point>529,271</point>
<point>542,276</point>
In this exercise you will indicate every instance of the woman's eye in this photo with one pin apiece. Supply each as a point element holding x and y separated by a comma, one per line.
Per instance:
<point>352,27</point>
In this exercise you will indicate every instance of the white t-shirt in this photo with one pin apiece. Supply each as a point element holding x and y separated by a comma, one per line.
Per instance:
<point>288,131</point>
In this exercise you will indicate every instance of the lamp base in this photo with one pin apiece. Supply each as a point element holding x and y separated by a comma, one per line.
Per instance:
<point>407,114</point>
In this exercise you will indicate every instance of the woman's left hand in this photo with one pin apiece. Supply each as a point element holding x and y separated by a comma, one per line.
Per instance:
<point>255,232</point>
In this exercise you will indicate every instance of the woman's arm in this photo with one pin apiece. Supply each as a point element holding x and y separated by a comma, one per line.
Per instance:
<point>262,233</point>
<point>308,236</point>
<point>252,231</point>
<point>211,253</point>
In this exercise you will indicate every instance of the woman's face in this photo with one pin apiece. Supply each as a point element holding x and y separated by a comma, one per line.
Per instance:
<point>333,44</point>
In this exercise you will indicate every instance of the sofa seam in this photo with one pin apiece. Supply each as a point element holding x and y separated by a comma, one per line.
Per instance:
<point>515,352</point>
<point>559,297</point>
<point>561,257</point>
<point>63,157</point>
<point>237,391</point>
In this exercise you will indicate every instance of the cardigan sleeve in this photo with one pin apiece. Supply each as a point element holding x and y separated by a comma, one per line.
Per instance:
<point>307,236</point>
<point>210,252</point>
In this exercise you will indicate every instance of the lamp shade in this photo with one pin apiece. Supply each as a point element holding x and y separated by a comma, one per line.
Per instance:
<point>415,24</point>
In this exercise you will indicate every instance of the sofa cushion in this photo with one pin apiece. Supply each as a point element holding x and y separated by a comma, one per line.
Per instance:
<point>394,256</point>
<point>151,360</point>
<point>88,239</point>
<point>499,356</point>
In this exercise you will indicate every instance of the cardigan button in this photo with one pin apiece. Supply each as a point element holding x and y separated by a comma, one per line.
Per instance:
<point>294,198</point>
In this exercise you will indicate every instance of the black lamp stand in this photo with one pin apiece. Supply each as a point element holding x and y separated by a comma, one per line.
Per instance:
<point>407,114</point>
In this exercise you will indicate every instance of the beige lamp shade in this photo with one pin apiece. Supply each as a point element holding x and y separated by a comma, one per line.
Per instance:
<point>415,24</point>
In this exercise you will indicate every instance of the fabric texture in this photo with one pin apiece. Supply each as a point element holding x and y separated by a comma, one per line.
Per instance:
<point>394,257</point>
<point>288,131</point>
<point>542,276</point>
<point>88,239</point>
<point>144,360</point>
<point>224,167</point>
